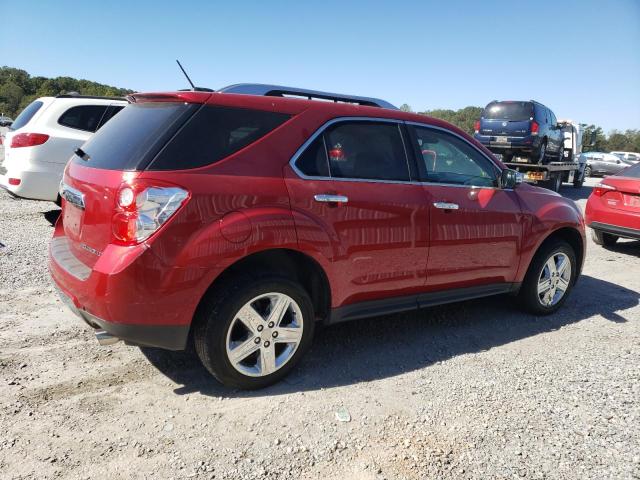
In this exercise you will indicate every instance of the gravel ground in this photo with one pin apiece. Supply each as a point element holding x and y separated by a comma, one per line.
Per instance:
<point>473,390</point>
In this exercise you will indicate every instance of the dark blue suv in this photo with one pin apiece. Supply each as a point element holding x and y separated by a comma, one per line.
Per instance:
<point>520,128</point>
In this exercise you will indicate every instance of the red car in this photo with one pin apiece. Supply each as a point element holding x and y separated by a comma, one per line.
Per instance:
<point>613,208</point>
<point>238,219</point>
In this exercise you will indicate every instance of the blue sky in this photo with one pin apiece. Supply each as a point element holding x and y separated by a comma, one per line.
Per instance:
<point>581,58</point>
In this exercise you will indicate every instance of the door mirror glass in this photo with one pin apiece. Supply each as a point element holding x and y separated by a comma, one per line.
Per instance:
<point>510,178</point>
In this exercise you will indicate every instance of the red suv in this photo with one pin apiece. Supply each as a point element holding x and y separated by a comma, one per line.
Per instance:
<point>238,219</point>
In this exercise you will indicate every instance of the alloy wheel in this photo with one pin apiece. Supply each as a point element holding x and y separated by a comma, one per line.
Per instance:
<point>554,279</point>
<point>264,334</point>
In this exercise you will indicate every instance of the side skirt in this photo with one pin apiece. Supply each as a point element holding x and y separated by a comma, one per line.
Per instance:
<point>374,308</point>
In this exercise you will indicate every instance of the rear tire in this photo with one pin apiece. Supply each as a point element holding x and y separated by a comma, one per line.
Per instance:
<point>538,156</point>
<point>218,330</point>
<point>604,239</point>
<point>532,294</point>
<point>554,183</point>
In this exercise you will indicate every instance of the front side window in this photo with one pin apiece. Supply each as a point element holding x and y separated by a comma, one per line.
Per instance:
<point>445,158</point>
<point>83,117</point>
<point>362,150</point>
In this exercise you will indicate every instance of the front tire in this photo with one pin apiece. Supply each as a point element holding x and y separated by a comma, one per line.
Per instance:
<point>588,171</point>
<point>550,278</point>
<point>251,332</point>
<point>604,239</point>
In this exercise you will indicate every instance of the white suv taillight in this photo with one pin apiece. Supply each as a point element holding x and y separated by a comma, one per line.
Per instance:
<point>141,210</point>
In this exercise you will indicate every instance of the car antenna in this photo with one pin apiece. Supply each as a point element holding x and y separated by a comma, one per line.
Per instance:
<point>193,87</point>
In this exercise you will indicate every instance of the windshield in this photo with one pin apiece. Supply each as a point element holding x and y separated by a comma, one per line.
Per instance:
<point>514,111</point>
<point>26,115</point>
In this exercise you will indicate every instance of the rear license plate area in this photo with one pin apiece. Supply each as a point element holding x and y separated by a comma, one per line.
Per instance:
<point>631,200</point>
<point>72,220</point>
<point>535,175</point>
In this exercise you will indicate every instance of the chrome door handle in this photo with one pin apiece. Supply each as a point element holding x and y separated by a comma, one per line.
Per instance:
<point>327,198</point>
<point>446,205</point>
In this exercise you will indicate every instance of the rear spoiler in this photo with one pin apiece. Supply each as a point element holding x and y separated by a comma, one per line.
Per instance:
<point>186,96</point>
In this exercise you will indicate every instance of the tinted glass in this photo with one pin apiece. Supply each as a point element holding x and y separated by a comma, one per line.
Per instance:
<point>109,114</point>
<point>313,161</point>
<point>83,117</point>
<point>135,135</point>
<point>366,150</point>
<point>26,115</point>
<point>445,158</point>
<point>516,111</point>
<point>213,134</point>
<point>633,172</point>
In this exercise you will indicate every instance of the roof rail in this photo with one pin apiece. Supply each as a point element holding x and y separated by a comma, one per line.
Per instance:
<point>280,91</point>
<point>77,95</point>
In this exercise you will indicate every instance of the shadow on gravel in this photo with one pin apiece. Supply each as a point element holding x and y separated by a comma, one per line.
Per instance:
<point>381,347</point>
<point>52,216</point>
<point>628,247</point>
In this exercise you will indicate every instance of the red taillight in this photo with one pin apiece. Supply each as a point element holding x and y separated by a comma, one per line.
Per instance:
<point>476,126</point>
<point>141,209</point>
<point>14,181</point>
<point>601,188</point>
<point>535,128</point>
<point>28,139</point>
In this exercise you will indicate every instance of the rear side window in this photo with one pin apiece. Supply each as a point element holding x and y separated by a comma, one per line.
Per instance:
<point>214,133</point>
<point>514,111</point>
<point>109,114</point>
<point>633,172</point>
<point>83,117</point>
<point>135,135</point>
<point>357,150</point>
<point>26,115</point>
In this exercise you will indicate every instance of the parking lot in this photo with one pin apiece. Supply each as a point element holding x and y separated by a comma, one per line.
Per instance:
<point>469,390</point>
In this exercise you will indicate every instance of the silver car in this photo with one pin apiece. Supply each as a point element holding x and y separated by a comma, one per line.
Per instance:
<point>600,163</point>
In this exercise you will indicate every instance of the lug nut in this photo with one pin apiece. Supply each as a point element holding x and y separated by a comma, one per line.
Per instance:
<point>274,334</point>
<point>257,340</point>
<point>271,324</point>
<point>266,344</point>
<point>260,328</point>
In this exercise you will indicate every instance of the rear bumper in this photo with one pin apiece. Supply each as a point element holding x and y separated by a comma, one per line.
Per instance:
<point>168,337</point>
<point>130,293</point>
<point>38,180</point>
<point>515,144</point>
<point>625,232</point>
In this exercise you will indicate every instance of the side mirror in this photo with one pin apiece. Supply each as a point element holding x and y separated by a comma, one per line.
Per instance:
<point>510,178</point>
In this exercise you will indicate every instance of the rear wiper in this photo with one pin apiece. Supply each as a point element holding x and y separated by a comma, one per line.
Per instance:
<point>82,154</point>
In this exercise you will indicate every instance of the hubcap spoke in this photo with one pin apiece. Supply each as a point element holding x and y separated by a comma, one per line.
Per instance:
<point>288,335</point>
<point>243,350</point>
<point>267,360</point>
<point>279,309</point>
<point>543,286</point>
<point>250,318</point>
<point>551,265</point>
<point>562,284</point>
<point>564,262</point>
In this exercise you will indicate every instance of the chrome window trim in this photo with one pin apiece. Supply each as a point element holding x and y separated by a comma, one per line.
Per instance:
<point>333,121</point>
<point>321,130</point>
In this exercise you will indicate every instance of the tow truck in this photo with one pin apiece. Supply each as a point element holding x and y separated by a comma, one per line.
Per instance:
<point>552,175</point>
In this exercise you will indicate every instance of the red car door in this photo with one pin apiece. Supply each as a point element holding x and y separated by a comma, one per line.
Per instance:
<point>476,227</point>
<point>357,212</point>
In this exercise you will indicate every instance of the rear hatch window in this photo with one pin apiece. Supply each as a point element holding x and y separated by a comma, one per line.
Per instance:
<point>133,137</point>
<point>510,111</point>
<point>175,136</point>
<point>26,115</point>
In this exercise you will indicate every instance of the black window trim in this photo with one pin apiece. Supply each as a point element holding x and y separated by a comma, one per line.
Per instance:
<point>333,121</point>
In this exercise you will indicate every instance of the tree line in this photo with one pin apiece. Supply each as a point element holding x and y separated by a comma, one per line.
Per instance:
<point>18,89</point>
<point>594,138</point>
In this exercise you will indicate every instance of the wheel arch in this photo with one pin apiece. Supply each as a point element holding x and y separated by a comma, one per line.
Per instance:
<point>292,264</point>
<point>570,235</point>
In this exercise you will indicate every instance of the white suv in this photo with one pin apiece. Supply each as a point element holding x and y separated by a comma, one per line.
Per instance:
<point>632,157</point>
<point>43,138</point>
